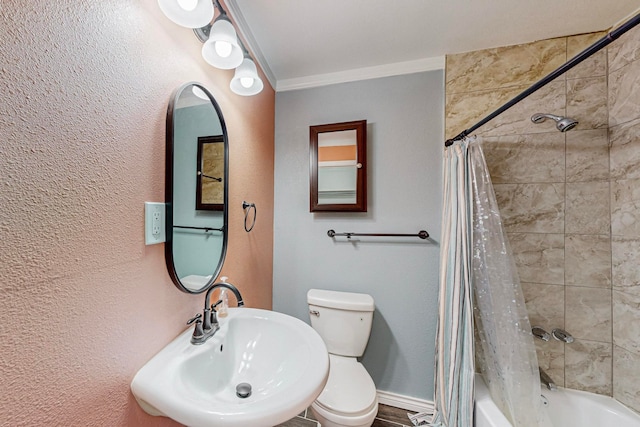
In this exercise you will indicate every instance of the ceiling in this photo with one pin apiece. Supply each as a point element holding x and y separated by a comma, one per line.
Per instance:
<point>306,43</point>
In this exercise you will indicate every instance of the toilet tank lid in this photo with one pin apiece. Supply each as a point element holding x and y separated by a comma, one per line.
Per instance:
<point>340,300</point>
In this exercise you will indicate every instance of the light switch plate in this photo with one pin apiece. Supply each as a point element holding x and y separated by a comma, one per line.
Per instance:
<point>154,223</point>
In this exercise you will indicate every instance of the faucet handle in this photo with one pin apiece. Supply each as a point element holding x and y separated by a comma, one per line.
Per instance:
<point>198,332</point>
<point>195,319</point>
<point>562,335</point>
<point>213,306</point>
<point>214,313</point>
<point>539,332</point>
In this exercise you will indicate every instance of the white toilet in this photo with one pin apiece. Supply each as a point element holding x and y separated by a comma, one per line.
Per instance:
<point>343,320</point>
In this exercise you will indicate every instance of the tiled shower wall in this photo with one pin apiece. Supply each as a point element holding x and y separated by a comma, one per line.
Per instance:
<point>624,135</point>
<point>560,198</point>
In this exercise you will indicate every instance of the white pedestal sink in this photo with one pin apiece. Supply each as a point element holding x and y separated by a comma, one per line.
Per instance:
<point>283,359</point>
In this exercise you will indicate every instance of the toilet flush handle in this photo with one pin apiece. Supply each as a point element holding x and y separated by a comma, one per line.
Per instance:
<point>315,313</point>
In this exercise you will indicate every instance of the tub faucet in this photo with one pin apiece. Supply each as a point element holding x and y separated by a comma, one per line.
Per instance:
<point>208,326</point>
<point>546,380</point>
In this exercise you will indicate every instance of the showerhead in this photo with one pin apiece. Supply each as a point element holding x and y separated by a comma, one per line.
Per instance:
<point>562,123</point>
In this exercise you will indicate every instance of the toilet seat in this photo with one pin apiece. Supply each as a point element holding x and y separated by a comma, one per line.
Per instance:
<point>350,391</point>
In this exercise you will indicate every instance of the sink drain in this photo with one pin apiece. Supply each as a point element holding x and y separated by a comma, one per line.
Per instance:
<point>243,390</point>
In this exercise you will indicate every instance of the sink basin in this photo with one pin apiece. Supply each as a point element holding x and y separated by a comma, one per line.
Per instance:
<point>284,361</point>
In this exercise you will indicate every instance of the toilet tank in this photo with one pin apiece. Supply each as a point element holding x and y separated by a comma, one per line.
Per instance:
<point>343,320</point>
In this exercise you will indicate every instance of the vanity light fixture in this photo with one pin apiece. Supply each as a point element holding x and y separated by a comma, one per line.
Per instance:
<point>222,48</point>
<point>246,81</point>
<point>188,13</point>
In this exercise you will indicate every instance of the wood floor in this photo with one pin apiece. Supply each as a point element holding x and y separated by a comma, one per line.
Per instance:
<point>388,416</point>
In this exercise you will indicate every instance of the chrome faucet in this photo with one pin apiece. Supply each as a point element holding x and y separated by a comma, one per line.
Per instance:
<point>208,326</point>
<point>546,380</point>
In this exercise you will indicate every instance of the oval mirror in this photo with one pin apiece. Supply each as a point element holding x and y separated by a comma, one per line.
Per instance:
<point>196,188</point>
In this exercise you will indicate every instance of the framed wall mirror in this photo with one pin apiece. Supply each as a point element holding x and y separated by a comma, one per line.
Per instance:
<point>338,167</point>
<point>196,188</point>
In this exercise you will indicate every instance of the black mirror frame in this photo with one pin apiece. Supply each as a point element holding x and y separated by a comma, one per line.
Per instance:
<point>360,126</point>
<point>168,195</point>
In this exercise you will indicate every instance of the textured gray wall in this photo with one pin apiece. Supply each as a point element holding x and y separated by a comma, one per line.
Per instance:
<point>405,144</point>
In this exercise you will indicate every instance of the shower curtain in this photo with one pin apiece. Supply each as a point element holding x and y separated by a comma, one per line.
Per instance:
<point>479,281</point>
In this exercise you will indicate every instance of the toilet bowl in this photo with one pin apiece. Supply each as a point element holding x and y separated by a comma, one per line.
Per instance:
<point>343,320</point>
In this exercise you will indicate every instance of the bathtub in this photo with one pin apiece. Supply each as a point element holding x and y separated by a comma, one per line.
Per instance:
<point>566,408</point>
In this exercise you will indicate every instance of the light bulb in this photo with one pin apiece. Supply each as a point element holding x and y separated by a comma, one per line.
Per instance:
<point>223,48</point>
<point>246,82</point>
<point>187,5</point>
<point>188,13</point>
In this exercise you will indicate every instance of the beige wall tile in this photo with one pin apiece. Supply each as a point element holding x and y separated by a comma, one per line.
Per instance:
<point>588,260</point>
<point>587,155</point>
<point>539,257</point>
<point>463,110</point>
<point>551,359</point>
<point>625,150</point>
<point>587,210</point>
<point>624,95</point>
<point>588,366</point>
<point>504,66</point>
<point>594,66</point>
<point>517,119</point>
<point>587,102</point>
<point>625,253</point>
<point>531,208</point>
<point>588,313</point>
<point>545,305</point>
<point>626,318</point>
<point>625,207</point>
<point>625,50</point>
<point>626,387</point>
<point>525,158</point>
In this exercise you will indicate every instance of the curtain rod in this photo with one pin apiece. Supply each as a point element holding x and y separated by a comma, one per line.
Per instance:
<point>598,45</point>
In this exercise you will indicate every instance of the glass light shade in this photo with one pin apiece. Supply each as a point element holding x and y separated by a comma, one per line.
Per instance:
<point>222,31</point>
<point>246,72</point>
<point>187,4</point>
<point>198,17</point>
<point>199,93</point>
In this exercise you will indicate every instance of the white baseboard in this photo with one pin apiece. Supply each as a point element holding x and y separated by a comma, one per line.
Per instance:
<point>404,402</point>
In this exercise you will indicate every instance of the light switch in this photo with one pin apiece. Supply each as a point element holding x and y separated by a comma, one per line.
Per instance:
<point>154,223</point>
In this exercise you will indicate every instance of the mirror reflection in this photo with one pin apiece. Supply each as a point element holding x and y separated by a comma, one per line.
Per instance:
<point>196,189</point>
<point>210,181</point>
<point>338,176</point>
<point>337,167</point>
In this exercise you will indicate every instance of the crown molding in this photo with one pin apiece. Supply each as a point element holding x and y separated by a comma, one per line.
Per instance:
<point>387,70</point>
<point>366,73</point>
<point>250,41</point>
